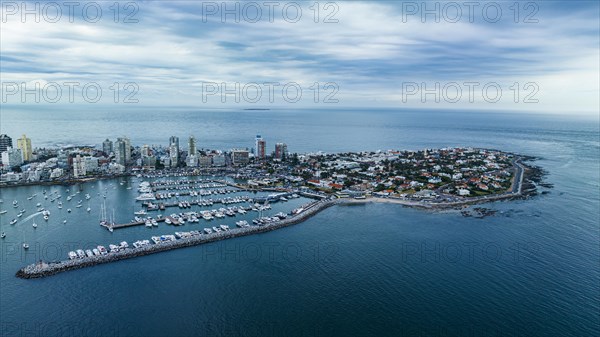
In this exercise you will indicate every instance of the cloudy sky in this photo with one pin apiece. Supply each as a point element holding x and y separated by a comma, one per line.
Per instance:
<point>543,56</point>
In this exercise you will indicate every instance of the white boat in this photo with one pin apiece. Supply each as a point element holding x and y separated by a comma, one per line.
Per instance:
<point>25,246</point>
<point>13,221</point>
<point>38,205</point>
<point>3,212</point>
<point>146,196</point>
<point>65,221</point>
<point>34,225</point>
<point>69,210</point>
<point>46,217</point>
<point>88,209</point>
<point>140,212</point>
<point>3,235</point>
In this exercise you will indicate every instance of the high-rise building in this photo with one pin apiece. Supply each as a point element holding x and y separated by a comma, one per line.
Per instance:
<point>174,154</point>
<point>260,148</point>
<point>24,144</point>
<point>79,169</point>
<point>5,142</point>
<point>174,140</point>
<point>280,150</point>
<point>107,146</point>
<point>127,148</point>
<point>120,152</point>
<point>174,150</point>
<point>192,146</point>
<point>12,157</point>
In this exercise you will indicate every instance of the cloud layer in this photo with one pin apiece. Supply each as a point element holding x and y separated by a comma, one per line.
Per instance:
<point>371,53</point>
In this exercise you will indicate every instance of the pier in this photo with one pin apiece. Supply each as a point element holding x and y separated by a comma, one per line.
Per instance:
<point>43,269</point>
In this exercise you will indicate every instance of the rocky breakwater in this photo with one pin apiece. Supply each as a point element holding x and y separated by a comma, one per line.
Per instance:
<point>43,269</point>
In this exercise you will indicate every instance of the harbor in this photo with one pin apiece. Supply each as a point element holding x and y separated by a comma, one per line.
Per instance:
<point>141,248</point>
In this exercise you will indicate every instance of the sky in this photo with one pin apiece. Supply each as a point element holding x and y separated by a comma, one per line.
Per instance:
<point>539,56</point>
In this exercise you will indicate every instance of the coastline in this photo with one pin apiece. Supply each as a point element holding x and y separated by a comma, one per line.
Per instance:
<point>43,269</point>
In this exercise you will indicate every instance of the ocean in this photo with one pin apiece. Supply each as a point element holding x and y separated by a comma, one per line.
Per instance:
<point>532,269</point>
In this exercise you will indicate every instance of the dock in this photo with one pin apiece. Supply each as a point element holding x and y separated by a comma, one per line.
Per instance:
<point>44,269</point>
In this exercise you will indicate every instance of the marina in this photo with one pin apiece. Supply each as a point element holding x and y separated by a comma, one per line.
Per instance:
<point>79,259</point>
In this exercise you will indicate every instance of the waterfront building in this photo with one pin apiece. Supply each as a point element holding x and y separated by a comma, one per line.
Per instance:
<point>240,156</point>
<point>174,140</point>
<point>218,160</point>
<point>91,164</point>
<point>126,147</point>
<point>192,146</point>
<point>205,161</point>
<point>24,144</point>
<point>107,146</point>
<point>260,147</point>
<point>174,150</point>
<point>56,173</point>
<point>280,151</point>
<point>119,150</point>
<point>191,160</point>
<point>174,154</point>
<point>5,143</point>
<point>79,167</point>
<point>12,157</point>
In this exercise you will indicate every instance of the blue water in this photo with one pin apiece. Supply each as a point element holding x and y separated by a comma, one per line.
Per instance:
<point>379,270</point>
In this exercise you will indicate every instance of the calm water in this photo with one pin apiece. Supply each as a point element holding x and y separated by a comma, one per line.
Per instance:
<point>532,269</point>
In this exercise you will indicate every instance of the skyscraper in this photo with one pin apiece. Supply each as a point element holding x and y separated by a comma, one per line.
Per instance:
<point>127,148</point>
<point>174,150</point>
<point>280,150</point>
<point>174,140</point>
<point>174,154</point>
<point>119,149</point>
<point>192,146</point>
<point>261,145</point>
<point>24,144</point>
<point>107,146</point>
<point>5,143</point>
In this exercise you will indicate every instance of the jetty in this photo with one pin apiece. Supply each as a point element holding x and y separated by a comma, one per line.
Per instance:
<point>43,269</point>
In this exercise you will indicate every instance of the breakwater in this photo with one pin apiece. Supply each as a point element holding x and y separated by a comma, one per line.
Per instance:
<point>43,269</point>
